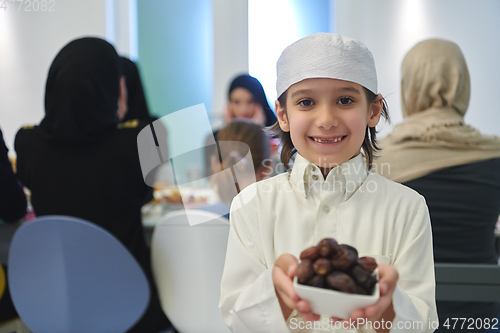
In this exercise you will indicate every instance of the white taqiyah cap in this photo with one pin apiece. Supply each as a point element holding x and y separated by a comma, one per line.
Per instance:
<point>326,55</point>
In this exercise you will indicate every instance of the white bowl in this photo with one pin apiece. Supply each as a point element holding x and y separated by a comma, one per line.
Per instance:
<point>331,303</point>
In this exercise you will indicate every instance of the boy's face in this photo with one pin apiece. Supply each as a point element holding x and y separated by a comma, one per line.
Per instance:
<point>327,119</point>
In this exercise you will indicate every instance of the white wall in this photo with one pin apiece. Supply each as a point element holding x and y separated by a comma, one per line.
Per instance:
<point>270,34</point>
<point>391,27</point>
<point>121,27</point>
<point>230,18</point>
<point>29,41</point>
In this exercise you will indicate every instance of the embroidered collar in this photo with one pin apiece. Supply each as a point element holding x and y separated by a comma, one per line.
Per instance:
<point>347,177</point>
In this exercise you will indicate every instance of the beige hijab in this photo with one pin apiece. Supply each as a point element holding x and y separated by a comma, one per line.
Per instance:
<point>435,92</point>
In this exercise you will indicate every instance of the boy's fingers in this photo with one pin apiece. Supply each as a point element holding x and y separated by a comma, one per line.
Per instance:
<point>309,316</point>
<point>303,306</point>
<point>387,274</point>
<point>377,309</point>
<point>388,277</point>
<point>383,288</point>
<point>306,312</point>
<point>288,301</point>
<point>286,298</point>
<point>285,286</point>
<point>285,261</point>
<point>292,269</point>
<point>357,314</point>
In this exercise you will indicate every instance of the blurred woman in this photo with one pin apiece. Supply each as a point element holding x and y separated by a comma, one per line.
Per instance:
<point>12,208</point>
<point>12,199</point>
<point>451,164</point>
<point>246,100</point>
<point>80,161</point>
<point>137,106</point>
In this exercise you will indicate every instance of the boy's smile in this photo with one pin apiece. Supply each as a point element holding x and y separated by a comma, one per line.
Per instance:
<point>327,119</point>
<point>328,140</point>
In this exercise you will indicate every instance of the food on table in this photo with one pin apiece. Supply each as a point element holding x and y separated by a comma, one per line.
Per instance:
<point>332,266</point>
<point>174,196</point>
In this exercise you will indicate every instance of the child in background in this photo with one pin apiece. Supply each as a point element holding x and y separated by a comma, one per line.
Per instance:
<point>327,111</point>
<point>244,143</point>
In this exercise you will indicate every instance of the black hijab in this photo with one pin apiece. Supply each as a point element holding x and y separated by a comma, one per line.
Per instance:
<point>81,94</point>
<point>253,85</point>
<point>137,105</point>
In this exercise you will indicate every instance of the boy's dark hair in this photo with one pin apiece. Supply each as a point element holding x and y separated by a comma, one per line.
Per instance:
<point>369,144</point>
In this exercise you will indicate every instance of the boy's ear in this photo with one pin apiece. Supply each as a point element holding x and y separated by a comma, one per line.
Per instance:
<point>375,111</point>
<point>282,117</point>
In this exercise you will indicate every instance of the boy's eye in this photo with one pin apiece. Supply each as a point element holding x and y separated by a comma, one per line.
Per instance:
<point>345,100</point>
<point>306,102</point>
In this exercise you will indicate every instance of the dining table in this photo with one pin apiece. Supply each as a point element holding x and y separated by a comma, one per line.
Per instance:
<point>170,199</point>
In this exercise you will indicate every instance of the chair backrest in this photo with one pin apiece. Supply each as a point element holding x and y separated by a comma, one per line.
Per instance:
<point>467,282</point>
<point>67,275</point>
<point>187,261</point>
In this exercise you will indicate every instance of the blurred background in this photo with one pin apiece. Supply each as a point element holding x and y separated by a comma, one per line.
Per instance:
<point>188,51</point>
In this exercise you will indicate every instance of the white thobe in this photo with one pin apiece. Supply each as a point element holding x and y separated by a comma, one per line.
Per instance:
<point>293,211</point>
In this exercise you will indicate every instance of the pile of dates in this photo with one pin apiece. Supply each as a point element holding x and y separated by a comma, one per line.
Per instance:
<point>329,265</point>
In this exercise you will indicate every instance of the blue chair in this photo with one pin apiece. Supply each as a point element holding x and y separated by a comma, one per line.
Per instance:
<point>67,275</point>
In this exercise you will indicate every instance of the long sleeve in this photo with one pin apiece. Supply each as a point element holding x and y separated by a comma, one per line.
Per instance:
<point>12,198</point>
<point>248,298</point>
<point>414,297</point>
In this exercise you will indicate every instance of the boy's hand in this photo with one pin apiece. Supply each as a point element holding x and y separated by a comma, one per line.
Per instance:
<point>382,309</point>
<point>283,274</point>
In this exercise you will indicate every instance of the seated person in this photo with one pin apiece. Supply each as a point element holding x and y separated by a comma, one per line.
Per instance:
<point>235,154</point>
<point>12,208</point>
<point>451,164</point>
<point>246,100</point>
<point>137,106</point>
<point>12,199</point>
<point>80,161</point>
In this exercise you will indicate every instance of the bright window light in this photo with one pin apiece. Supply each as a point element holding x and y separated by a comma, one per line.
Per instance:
<point>271,28</point>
